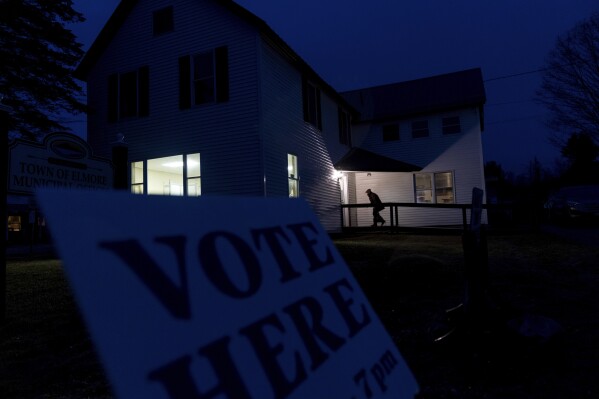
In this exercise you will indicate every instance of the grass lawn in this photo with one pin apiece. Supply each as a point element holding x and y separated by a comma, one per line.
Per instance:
<point>410,280</point>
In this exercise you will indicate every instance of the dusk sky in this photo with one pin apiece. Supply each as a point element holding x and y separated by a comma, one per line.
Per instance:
<point>354,44</point>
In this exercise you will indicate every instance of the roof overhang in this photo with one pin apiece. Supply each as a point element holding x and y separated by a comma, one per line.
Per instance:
<point>360,160</point>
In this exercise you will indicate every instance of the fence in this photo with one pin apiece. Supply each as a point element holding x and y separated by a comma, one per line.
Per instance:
<point>349,221</point>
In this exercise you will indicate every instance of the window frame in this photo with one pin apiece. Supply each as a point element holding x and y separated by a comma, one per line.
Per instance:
<point>434,188</point>
<point>128,87</point>
<point>141,185</point>
<point>293,178</point>
<point>449,125</point>
<point>220,78</point>
<point>419,132</point>
<point>312,103</point>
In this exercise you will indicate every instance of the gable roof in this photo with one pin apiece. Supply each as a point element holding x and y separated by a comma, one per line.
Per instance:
<point>360,160</point>
<point>123,9</point>
<point>421,96</point>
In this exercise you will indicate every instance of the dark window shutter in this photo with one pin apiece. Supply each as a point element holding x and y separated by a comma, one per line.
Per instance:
<point>144,90</point>
<point>185,82</point>
<point>222,73</point>
<point>113,97</point>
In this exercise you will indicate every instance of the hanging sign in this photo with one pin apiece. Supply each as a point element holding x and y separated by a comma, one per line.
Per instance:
<point>221,297</point>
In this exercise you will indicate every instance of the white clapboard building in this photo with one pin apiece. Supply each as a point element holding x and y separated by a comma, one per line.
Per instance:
<point>211,101</point>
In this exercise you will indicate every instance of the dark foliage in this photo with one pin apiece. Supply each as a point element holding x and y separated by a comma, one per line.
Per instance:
<point>38,56</point>
<point>570,87</point>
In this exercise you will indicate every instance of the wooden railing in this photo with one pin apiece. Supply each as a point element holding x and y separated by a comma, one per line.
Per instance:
<point>394,213</point>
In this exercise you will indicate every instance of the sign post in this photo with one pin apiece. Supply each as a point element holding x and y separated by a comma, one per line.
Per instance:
<point>221,296</point>
<point>4,110</point>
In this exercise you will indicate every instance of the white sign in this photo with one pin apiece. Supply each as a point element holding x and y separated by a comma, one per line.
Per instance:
<point>221,297</point>
<point>62,161</point>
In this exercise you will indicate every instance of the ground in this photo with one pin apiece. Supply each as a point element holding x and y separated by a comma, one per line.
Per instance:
<point>536,338</point>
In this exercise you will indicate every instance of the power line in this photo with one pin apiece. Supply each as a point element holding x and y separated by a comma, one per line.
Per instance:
<point>516,74</point>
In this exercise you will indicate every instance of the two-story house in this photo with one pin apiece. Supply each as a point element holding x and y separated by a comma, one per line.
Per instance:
<point>211,101</point>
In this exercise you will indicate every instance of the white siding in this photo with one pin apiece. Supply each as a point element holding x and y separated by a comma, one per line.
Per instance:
<point>458,153</point>
<point>284,131</point>
<point>229,146</point>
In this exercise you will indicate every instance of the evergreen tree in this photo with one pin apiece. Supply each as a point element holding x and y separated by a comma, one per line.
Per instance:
<point>38,56</point>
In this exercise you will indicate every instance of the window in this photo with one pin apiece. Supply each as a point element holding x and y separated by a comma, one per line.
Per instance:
<point>444,188</point>
<point>344,127</point>
<point>423,185</point>
<point>419,129</point>
<point>14,223</point>
<point>451,125</point>
<point>129,94</point>
<point>311,97</point>
<point>204,78</point>
<point>194,178</point>
<point>292,176</point>
<point>176,175</point>
<point>162,21</point>
<point>434,188</point>
<point>391,132</point>
<point>137,177</point>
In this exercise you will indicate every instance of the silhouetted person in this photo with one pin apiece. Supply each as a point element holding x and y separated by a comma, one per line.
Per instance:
<point>377,207</point>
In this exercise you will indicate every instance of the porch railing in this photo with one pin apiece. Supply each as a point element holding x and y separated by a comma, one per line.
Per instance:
<point>394,211</point>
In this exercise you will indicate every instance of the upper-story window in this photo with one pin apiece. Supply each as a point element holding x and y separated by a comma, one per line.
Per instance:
<point>162,21</point>
<point>312,110</point>
<point>451,125</point>
<point>344,127</point>
<point>420,129</point>
<point>204,78</point>
<point>129,94</point>
<point>391,132</point>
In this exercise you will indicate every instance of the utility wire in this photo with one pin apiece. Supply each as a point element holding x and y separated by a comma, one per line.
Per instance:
<point>515,75</point>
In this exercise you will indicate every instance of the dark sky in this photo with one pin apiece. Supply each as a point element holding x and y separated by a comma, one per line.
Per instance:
<point>355,43</point>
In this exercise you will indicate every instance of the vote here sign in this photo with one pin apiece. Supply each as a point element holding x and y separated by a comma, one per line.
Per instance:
<point>221,298</point>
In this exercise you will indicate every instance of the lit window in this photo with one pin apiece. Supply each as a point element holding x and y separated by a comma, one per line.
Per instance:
<point>419,129</point>
<point>14,223</point>
<point>423,185</point>
<point>166,176</point>
<point>137,177</point>
<point>194,178</point>
<point>451,125</point>
<point>444,188</point>
<point>434,188</point>
<point>292,175</point>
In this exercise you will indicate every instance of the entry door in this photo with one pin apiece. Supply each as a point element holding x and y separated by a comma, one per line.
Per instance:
<point>344,198</point>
